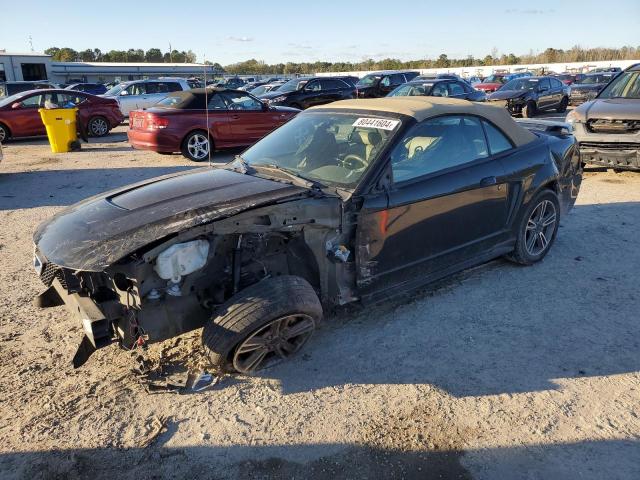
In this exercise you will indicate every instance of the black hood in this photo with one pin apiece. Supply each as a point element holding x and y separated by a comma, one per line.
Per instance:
<point>508,94</point>
<point>277,93</point>
<point>95,233</point>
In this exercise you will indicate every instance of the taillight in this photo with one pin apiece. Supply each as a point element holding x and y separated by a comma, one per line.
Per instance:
<point>154,122</point>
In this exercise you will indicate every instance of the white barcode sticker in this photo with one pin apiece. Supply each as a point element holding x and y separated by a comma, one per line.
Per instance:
<point>381,123</point>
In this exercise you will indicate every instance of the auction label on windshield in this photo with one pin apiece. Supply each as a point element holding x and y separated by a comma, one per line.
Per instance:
<point>381,123</point>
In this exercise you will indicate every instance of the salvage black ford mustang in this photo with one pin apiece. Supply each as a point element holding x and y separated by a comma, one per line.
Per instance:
<point>353,201</point>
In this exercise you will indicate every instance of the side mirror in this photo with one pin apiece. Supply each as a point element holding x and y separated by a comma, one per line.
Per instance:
<point>124,92</point>
<point>265,106</point>
<point>16,105</point>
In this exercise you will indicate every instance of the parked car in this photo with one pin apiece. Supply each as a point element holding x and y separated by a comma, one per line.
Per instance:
<point>474,80</point>
<point>588,87</point>
<point>491,83</point>
<point>11,88</point>
<point>529,96</point>
<point>269,87</point>
<point>144,93</point>
<point>439,76</point>
<point>608,127</point>
<point>92,88</point>
<point>566,78</point>
<point>380,84</point>
<point>19,116</point>
<point>233,83</point>
<point>605,69</point>
<point>351,79</point>
<point>178,123</point>
<point>247,87</point>
<point>352,201</point>
<point>306,92</point>
<point>439,88</point>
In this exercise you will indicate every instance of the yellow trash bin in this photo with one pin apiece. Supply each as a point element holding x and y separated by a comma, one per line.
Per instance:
<point>61,127</point>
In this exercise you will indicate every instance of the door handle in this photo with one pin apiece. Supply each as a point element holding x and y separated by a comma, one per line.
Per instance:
<point>486,181</point>
<point>235,117</point>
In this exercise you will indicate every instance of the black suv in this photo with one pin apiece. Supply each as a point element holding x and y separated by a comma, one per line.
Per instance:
<point>306,92</point>
<point>527,96</point>
<point>380,84</point>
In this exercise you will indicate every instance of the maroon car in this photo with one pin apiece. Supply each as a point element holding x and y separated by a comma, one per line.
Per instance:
<point>178,123</point>
<point>19,116</point>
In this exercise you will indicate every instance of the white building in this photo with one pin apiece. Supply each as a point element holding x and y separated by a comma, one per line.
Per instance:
<point>39,66</point>
<point>24,66</point>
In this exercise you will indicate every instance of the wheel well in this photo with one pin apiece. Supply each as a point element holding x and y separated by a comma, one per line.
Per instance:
<point>553,185</point>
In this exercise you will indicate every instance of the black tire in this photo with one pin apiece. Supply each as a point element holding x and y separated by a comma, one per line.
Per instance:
<point>563,105</point>
<point>529,110</point>
<point>192,153</point>
<point>98,126</point>
<point>522,254</point>
<point>5,134</point>
<point>254,309</point>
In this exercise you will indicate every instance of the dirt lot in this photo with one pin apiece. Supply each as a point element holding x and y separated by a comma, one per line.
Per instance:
<point>501,372</point>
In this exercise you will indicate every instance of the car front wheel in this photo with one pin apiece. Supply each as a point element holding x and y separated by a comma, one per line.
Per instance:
<point>4,133</point>
<point>537,229</point>
<point>529,110</point>
<point>264,324</point>
<point>563,105</point>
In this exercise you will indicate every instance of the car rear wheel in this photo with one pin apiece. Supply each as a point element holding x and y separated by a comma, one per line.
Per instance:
<point>264,324</point>
<point>529,110</point>
<point>4,133</point>
<point>537,229</point>
<point>196,146</point>
<point>563,105</point>
<point>98,126</point>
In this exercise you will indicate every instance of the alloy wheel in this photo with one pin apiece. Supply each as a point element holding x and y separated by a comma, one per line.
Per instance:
<point>99,127</point>
<point>198,146</point>
<point>3,133</point>
<point>540,228</point>
<point>274,342</point>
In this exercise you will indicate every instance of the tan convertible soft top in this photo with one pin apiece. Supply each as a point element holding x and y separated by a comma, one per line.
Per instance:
<point>421,108</point>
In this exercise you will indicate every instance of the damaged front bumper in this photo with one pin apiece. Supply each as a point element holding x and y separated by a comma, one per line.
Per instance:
<point>612,155</point>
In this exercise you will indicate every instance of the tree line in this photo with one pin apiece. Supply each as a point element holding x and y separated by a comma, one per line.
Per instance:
<point>155,55</point>
<point>134,55</point>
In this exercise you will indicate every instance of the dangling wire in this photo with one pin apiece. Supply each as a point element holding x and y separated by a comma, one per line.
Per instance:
<point>206,107</point>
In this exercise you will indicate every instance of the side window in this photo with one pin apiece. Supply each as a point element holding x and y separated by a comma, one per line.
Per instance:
<point>455,89</point>
<point>69,99</point>
<point>544,84</point>
<point>498,142</point>
<point>174,87</point>
<point>35,101</point>
<point>440,90</point>
<point>242,101</point>
<point>438,144</point>
<point>313,86</point>
<point>152,88</point>
<point>216,102</point>
<point>397,79</point>
<point>329,84</point>
<point>137,89</point>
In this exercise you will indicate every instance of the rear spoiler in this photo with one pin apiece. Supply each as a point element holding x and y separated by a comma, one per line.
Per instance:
<point>548,126</point>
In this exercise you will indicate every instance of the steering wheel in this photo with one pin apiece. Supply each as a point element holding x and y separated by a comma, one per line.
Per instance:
<point>353,162</point>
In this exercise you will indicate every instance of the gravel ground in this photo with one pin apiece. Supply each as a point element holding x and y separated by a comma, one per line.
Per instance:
<point>500,372</point>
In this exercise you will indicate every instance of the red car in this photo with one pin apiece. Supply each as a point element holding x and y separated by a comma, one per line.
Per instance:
<point>491,83</point>
<point>19,115</point>
<point>178,123</point>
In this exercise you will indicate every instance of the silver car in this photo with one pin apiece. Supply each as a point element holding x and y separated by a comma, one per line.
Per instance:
<point>144,93</point>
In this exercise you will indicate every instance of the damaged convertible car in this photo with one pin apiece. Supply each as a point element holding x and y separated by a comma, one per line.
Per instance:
<point>353,201</point>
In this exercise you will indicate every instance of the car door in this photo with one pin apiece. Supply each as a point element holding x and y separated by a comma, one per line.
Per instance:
<point>131,97</point>
<point>333,89</point>
<point>447,203</point>
<point>545,94</point>
<point>557,88</point>
<point>249,118</point>
<point>312,94</point>
<point>25,119</point>
<point>456,90</point>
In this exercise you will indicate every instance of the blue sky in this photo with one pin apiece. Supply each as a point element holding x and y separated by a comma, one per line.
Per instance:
<point>305,30</point>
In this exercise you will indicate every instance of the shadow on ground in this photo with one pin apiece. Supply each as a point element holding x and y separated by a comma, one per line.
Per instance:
<point>613,460</point>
